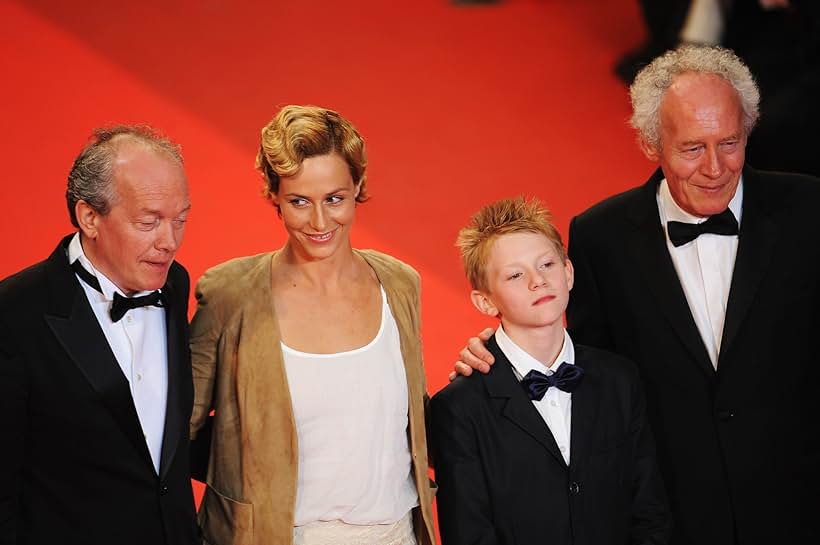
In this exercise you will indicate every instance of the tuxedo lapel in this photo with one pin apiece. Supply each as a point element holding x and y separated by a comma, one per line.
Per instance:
<point>176,360</point>
<point>75,327</point>
<point>513,404</point>
<point>585,403</point>
<point>647,245</point>
<point>758,234</point>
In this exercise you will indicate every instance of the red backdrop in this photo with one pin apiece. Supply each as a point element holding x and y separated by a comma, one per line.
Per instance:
<point>459,106</point>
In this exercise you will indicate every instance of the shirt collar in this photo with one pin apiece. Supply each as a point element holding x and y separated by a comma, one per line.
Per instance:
<point>108,288</point>
<point>523,363</point>
<point>670,211</point>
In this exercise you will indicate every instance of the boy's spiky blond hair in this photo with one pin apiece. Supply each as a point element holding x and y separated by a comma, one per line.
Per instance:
<point>502,218</point>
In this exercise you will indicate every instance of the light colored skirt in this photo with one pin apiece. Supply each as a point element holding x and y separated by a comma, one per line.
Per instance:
<point>336,532</point>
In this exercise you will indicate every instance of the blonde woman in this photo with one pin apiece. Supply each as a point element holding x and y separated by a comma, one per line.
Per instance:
<point>310,357</point>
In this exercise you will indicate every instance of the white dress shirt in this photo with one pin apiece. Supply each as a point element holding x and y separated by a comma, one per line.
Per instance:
<point>556,405</point>
<point>704,268</point>
<point>139,343</point>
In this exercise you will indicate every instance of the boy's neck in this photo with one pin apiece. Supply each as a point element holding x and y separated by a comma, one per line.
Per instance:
<point>542,343</point>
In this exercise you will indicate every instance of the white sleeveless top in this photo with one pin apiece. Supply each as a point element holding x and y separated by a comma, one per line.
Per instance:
<point>351,420</point>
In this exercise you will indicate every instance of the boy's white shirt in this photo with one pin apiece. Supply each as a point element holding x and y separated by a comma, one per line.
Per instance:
<point>556,405</point>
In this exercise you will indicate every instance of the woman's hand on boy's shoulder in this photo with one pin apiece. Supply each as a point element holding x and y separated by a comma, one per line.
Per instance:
<point>474,356</point>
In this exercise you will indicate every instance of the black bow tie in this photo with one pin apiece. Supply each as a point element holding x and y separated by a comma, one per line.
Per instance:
<point>566,378</point>
<point>121,304</point>
<point>720,224</point>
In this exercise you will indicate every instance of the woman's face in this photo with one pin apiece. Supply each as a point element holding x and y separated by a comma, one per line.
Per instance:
<point>318,205</point>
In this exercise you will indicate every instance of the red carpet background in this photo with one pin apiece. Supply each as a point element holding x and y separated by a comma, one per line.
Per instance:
<point>459,106</point>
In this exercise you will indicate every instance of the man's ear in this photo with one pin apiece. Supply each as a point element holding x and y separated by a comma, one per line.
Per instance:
<point>651,152</point>
<point>483,303</point>
<point>357,190</point>
<point>87,218</point>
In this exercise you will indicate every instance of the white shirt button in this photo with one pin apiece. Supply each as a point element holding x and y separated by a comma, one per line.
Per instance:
<point>129,319</point>
<point>553,403</point>
<point>562,448</point>
<point>139,376</point>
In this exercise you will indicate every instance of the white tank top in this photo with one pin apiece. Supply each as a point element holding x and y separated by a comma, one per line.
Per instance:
<point>351,420</point>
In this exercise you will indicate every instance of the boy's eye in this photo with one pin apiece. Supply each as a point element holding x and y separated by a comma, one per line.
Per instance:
<point>546,264</point>
<point>513,276</point>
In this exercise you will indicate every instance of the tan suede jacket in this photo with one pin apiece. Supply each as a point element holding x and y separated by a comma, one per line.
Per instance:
<point>239,372</point>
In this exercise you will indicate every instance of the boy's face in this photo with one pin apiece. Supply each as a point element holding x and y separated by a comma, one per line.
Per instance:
<point>527,282</point>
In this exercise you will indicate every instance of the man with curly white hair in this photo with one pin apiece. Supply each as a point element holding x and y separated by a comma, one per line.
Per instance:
<point>708,277</point>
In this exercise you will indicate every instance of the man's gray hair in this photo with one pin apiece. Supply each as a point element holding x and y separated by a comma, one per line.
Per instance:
<point>651,84</point>
<point>90,177</point>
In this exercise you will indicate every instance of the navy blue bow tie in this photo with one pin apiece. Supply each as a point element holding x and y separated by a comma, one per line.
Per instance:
<point>566,378</point>
<point>720,224</point>
<point>121,304</point>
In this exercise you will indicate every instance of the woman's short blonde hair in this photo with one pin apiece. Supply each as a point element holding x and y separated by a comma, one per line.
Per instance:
<point>500,218</point>
<point>298,132</point>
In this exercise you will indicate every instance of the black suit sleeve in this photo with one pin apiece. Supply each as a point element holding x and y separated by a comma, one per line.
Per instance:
<point>13,418</point>
<point>586,320</point>
<point>463,500</point>
<point>651,520</point>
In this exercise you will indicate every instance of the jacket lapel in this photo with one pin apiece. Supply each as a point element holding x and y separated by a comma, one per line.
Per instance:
<point>585,404</point>
<point>755,250</point>
<point>514,405</point>
<point>75,327</point>
<point>176,359</point>
<point>647,244</point>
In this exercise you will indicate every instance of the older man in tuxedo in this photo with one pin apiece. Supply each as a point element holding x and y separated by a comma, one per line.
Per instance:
<point>95,377</point>
<point>708,277</point>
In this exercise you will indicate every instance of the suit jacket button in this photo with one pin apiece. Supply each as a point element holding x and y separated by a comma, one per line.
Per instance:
<point>725,415</point>
<point>574,487</point>
<point>163,489</point>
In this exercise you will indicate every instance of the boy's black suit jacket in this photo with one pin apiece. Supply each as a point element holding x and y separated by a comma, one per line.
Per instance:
<point>738,448</point>
<point>502,479</point>
<point>74,467</point>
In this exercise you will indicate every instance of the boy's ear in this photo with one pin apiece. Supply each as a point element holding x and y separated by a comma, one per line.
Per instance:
<point>483,303</point>
<point>569,270</point>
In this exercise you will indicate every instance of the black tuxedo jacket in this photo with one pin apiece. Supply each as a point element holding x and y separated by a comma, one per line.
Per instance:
<point>739,448</point>
<point>502,479</point>
<point>74,467</point>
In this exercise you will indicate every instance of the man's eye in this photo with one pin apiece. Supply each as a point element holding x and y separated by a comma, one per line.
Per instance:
<point>334,199</point>
<point>298,202</point>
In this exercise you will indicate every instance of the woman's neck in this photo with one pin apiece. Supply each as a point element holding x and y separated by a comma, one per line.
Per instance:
<point>336,269</point>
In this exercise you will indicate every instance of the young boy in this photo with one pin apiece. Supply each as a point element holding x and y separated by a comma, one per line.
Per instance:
<point>552,446</point>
